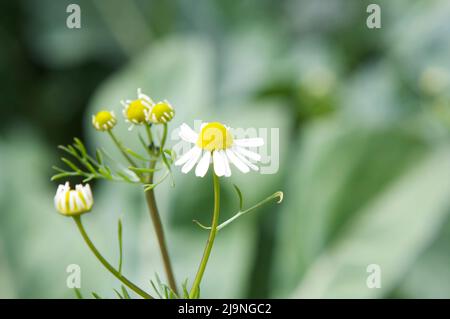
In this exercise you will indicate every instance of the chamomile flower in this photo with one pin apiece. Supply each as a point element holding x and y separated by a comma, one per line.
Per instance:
<point>104,121</point>
<point>215,143</point>
<point>73,202</point>
<point>137,111</point>
<point>161,112</point>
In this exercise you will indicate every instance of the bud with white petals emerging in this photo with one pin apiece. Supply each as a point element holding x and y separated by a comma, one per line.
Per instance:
<point>73,202</point>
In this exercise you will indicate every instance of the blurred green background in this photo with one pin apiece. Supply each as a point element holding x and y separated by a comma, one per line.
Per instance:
<point>364,119</point>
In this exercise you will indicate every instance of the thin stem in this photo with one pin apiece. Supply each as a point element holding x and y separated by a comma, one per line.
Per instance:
<point>157,225</point>
<point>164,138</point>
<point>121,149</point>
<point>212,235</point>
<point>149,133</point>
<point>278,195</point>
<point>105,263</point>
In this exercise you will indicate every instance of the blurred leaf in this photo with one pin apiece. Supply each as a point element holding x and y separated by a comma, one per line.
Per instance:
<point>337,171</point>
<point>96,296</point>
<point>430,270</point>
<point>102,35</point>
<point>391,232</point>
<point>118,294</point>
<point>78,293</point>
<point>125,293</point>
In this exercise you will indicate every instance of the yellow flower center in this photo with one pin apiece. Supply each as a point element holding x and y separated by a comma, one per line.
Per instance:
<point>103,117</point>
<point>161,112</point>
<point>215,136</point>
<point>136,111</point>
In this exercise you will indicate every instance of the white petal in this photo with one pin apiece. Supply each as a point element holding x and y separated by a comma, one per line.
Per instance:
<point>203,165</point>
<point>188,134</point>
<point>226,164</point>
<point>249,154</point>
<point>72,201</point>
<point>195,156</point>
<point>186,156</point>
<point>246,161</point>
<point>219,166</point>
<point>80,204</point>
<point>250,142</point>
<point>237,162</point>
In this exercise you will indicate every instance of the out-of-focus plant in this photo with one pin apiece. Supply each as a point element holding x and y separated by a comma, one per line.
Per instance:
<point>214,144</point>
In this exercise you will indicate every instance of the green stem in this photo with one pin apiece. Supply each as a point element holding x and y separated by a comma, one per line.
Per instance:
<point>278,195</point>
<point>121,149</point>
<point>164,138</point>
<point>149,133</point>
<point>105,263</point>
<point>212,235</point>
<point>157,225</point>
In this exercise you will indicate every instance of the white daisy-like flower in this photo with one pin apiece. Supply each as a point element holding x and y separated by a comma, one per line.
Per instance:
<point>73,202</point>
<point>216,144</point>
<point>138,111</point>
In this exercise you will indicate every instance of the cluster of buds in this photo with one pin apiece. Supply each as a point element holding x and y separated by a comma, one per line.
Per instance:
<point>140,111</point>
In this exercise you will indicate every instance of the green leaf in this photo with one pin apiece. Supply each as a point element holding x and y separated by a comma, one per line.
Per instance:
<point>89,178</point>
<point>166,292</point>
<point>390,232</point>
<point>156,289</point>
<point>71,165</point>
<point>62,175</point>
<point>118,294</point>
<point>119,236</point>
<point>172,294</point>
<point>185,289</point>
<point>99,156</point>
<point>96,296</point>
<point>125,292</point>
<point>78,293</point>
<point>80,146</point>
<point>69,150</point>
<point>125,177</point>
<point>332,178</point>
<point>136,155</point>
<point>143,169</point>
<point>238,191</point>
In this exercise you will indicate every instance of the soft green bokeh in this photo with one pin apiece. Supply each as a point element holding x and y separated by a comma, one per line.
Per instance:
<point>364,144</point>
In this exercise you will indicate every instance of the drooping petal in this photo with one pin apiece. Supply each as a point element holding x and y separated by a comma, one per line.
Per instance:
<point>188,134</point>
<point>249,154</point>
<point>186,156</point>
<point>192,161</point>
<point>236,161</point>
<point>203,164</point>
<point>219,165</point>
<point>246,161</point>
<point>249,142</point>
<point>226,163</point>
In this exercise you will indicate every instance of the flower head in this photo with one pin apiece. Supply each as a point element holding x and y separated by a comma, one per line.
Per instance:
<point>161,112</point>
<point>104,121</point>
<point>73,202</point>
<point>137,111</point>
<point>216,142</point>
